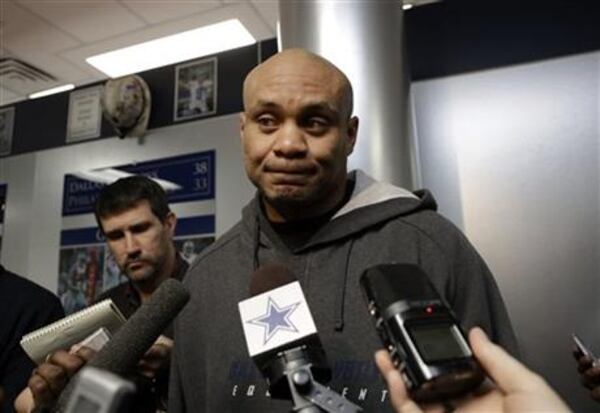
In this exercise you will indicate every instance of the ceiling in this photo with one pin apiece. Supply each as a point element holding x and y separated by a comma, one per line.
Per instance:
<point>56,36</point>
<point>44,43</point>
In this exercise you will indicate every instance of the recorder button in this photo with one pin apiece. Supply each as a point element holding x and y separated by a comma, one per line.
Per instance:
<point>373,309</point>
<point>393,350</point>
<point>409,383</point>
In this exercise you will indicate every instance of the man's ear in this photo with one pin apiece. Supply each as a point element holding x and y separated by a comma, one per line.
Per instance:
<point>242,124</point>
<point>170,223</point>
<point>352,134</point>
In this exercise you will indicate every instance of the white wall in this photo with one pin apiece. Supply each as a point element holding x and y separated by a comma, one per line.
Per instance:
<point>19,173</point>
<point>513,156</point>
<point>31,239</point>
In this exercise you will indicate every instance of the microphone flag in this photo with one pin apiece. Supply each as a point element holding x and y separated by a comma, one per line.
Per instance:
<point>276,318</point>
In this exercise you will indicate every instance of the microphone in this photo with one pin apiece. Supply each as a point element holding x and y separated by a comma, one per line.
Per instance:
<point>122,353</point>
<point>98,391</point>
<point>282,340</point>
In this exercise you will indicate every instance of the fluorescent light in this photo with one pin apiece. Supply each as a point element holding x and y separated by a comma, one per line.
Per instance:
<point>52,91</point>
<point>167,50</point>
<point>278,28</point>
<point>407,6</point>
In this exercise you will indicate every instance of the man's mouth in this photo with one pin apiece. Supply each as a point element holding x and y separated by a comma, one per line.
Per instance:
<point>134,266</point>
<point>290,168</point>
<point>290,175</point>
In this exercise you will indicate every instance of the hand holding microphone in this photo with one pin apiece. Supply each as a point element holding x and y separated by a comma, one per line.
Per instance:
<point>157,358</point>
<point>428,364</point>
<point>51,384</point>
<point>516,388</point>
<point>50,378</point>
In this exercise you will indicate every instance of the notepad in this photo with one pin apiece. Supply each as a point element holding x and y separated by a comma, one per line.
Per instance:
<point>62,334</point>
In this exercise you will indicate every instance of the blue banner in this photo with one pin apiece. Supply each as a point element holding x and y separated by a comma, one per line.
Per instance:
<point>194,175</point>
<point>81,236</point>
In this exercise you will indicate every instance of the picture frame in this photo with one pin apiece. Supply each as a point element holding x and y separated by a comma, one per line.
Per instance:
<point>195,89</point>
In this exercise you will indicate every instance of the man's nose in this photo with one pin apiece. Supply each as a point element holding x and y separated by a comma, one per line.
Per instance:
<point>131,244</point>
<point>291,141</point>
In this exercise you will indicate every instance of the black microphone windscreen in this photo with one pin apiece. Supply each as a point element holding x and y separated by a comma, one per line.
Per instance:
<point>389,283</point>
<point>122,353</point>
<point>268,277</point>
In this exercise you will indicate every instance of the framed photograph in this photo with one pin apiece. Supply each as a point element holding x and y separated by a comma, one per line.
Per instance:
<point>80,277</point>
<point>195,89</point>
<point>190,247</point>
<point>7,120</point>
<point>112,275</point>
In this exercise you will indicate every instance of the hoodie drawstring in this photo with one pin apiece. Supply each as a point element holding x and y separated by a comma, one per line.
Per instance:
<point>342,280</point>
<point>256,243</point>
<point>341,290</point>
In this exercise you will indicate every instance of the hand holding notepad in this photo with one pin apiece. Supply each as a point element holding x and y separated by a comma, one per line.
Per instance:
<point>94,341</point>
<point>72,330</point>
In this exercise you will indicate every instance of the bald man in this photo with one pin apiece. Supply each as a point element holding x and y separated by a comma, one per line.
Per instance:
<point>327,226</point>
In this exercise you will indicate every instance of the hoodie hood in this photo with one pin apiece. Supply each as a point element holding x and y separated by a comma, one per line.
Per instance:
<point>371,203</point>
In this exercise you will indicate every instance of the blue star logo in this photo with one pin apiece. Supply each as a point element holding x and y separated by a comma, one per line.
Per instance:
<point>275,319</point>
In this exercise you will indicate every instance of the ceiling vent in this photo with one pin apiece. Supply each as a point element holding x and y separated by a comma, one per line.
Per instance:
<point>22,79</point>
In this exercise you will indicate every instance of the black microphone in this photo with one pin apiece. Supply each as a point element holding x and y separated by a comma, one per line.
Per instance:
<point>123,352</point>
<point>282,340</point>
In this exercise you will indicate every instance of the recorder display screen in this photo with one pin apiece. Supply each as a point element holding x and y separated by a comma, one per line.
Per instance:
<point>438,342</point>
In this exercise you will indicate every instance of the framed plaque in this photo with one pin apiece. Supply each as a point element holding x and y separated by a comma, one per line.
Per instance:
<point>85,114</point>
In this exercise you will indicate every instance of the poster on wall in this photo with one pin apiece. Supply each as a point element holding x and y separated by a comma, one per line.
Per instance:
<point>86,266</point>
<point>2,209</point>
<point>85,114</point>
<point>195,89</point>
<point>7,120</point>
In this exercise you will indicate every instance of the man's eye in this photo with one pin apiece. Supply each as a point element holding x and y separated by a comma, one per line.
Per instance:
<point>114,236</point>
<point>266,121</point>
<point>138,229</point>
<point>317,125</point>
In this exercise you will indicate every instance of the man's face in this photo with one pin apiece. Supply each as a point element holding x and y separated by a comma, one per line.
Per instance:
<point>139,241</point>
<point>296,136</point>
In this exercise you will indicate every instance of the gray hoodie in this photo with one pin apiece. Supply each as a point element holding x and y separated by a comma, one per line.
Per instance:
<point>380,224</point>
